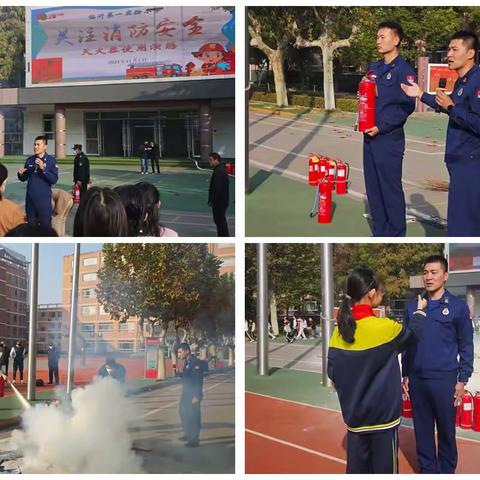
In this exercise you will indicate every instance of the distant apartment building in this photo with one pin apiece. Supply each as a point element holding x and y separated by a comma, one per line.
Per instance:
<point>97,332</point>
<point>13,296</point>
<point>52,327</point>
<point>226,253</point>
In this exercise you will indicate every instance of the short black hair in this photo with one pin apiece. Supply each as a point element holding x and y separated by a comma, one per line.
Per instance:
<point>184,346</point>
<point>215,156</point>
<point>31,230</point>
<point>470,39</point>
<point>437,259</point>
<point>134,203</point>
<point>101,214</point>
<point>42,137</point>
<point>395,26</point>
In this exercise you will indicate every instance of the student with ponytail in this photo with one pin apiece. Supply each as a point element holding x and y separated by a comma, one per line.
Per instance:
<point>363,365</point>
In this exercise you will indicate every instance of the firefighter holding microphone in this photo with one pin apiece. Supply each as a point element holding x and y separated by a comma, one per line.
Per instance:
<point>384,141</point>
<point>462,149</point>
<point>363,365</point>
<point>437,368</point>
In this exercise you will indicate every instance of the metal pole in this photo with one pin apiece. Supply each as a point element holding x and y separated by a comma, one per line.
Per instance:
<point>247,97</point>
<point>327,307</point>
<point>32,327</point>
<point>262,310</point>
<point>73,318</point>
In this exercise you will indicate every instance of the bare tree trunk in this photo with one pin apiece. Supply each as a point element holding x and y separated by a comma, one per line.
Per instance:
<point>277,61</point>
<point>273,313</point>
<point>162,370</point>
<point>328,86</point>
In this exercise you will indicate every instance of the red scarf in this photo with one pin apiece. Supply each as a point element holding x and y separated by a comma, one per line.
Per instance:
<point>362,311</point>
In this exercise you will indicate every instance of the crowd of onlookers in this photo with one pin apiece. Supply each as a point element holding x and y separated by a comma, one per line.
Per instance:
<point>293,328</point>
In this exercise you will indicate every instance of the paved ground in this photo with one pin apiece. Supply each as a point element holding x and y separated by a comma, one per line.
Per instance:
<point>183,193</point>
<point>279,148</point>
<point>156,429</point>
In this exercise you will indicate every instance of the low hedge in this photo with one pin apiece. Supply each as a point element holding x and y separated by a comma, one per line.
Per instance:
<point>346,104</point>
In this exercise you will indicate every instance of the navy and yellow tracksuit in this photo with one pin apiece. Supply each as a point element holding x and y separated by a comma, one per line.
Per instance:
<point>38,202</point>
<point>367,378</point>
<point>462,154</point>
<point>443,357</point>
<point>383,153</point>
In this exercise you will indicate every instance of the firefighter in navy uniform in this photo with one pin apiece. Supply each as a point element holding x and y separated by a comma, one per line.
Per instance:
<point>436,369</point>
<point>363,365</point>
<point>41,172</point>
<point>384,144</point>
<point>192,394</point>
<point>81,169</point>
<point>462,149</point>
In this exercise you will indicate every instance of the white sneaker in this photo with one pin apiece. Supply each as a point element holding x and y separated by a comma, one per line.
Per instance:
<point>13,382</point>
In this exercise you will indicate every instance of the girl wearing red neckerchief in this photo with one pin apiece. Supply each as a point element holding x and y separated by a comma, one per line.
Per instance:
<point>363,364</point>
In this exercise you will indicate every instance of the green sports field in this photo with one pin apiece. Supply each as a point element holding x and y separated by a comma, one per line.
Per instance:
<point>183,189</point>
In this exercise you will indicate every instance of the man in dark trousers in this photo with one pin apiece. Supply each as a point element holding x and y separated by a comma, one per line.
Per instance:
<point>53,358</point>
<point>81,169</point>
<point>41,172</point>
<point>192,394</point>
<point>436,369</point>
<point>155,157</point>
<point>145,153</point>
<point>112,369</point>
<point>17,353</point>
<point>219,193</point>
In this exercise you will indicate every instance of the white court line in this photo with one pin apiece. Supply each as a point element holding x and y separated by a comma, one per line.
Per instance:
<point>351,139</point>
<point>342,128</point>
<point>336,411</point>
<point>298,447</point>
<point>171,404</point>
<point>304,177</point>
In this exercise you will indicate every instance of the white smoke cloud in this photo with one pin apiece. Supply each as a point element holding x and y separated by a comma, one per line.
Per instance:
<point>90,435</point>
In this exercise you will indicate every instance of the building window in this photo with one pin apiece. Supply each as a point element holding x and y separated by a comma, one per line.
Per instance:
<point>102,311</point>
<point>88,310</point>
<point>88,293</point>
<point>90,261</point>
<point>87,327</point>
<point>89,277</point>
<point>123,345</point>
<point>105,327</point>
<point>48,121</point>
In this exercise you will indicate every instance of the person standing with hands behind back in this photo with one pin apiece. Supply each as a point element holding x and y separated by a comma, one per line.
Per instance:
<point>81,169</point>
<point>384,144</point>
<point>436,370</point>
<point>41,172</point>
<point>363,365</point>
<point>219,194</point>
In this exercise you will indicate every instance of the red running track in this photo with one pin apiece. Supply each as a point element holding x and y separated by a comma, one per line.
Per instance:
<point>283,436</point>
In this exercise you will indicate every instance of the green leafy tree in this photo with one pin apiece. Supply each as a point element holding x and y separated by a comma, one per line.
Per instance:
<point>166,285</point>
<point>12,46</point>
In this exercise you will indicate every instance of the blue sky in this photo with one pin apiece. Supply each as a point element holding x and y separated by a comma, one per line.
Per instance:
<point>51,266</point>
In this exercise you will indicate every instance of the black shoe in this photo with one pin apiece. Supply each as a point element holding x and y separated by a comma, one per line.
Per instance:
<point>191,444</point>
<point>183,438</point>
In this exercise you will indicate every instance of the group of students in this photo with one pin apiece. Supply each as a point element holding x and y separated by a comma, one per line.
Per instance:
<point>436,343</point>
<point>298,329</point>
<point>17,355</point>
<point>124,211</point>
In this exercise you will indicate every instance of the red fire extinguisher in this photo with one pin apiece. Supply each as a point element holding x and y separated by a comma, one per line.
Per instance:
<point>343,171</point>
<point>476,412</point>
<point>406,406</point>
<point>2,386</point>
<point>76,194</point>
<point>313,169</point>
<point>466,411</point>
<point>332,172</point>
<point>228,168</point>
<point>324,201</point>
<point>367,92</point>
<point>457,416</point>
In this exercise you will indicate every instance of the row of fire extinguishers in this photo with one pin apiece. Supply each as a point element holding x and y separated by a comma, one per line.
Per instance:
<point>468,412</point>
<point>327,176</point>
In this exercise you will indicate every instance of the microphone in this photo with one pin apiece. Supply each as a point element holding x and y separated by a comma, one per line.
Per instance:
<point>442,83</point>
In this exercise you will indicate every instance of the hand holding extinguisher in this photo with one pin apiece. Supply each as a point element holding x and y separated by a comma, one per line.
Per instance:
<point>459,392</point>
<point>367,93</point>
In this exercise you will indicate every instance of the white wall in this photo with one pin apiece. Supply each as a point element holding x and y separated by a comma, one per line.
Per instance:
<point>223,124</point>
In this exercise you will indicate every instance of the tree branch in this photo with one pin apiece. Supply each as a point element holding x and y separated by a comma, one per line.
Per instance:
<point>256,40</point>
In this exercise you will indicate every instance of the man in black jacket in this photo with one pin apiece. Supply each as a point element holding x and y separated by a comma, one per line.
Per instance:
<point>81,169</point>
<point>218,193</point>
<point>53,358</point>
